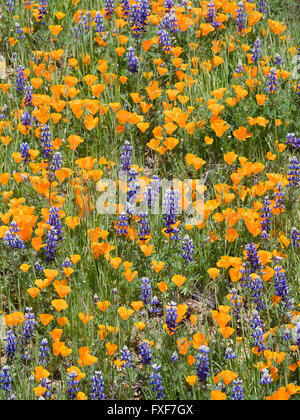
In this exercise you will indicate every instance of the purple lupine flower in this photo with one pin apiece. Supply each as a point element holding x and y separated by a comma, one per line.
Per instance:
<point>26,119</point>
<point>240,68</point>
<point>126,157</point>
<point>156,382</point>
<point>145,353</point>
<point>164,40</point>
<point>188,249</point>
<point>72,383</point>
<point>241,18</point>
<point>82,26</point>
<point>295,237</point>
<point>203,364</point>
<point>257,334</point>
<point>144,230</point>
<point>54,235</point>
<point>281,287</point>
<point>279,198</point>
<point>297,334</point>
<point>28,96</point>
<point>152,194</point>
<point>99,25</point>
<point>43,9</point>
<point>20,79</point>
<point>132,61</point>
<point>256,286</point>
<point>256,51</point>
<point>236,303</point>
<point>12,239</point>
<point>67,263</point>
<point>169,4</point>
<point>272,82</point>
<point>229,354</point>
<point>286,335</point>
<point>155,307</point>
<point>3,112</point>
<point>294,173</point>
<point>126,357</point>
<point>139,17</point>
<point>253,258</point>
<point>237,391</point>
<point>24,150</point>
<point>46,383</point>
<point>20,34</point>
<point>266,219</point>
<point>146,293</point>
<point>28,326</point>
<point>11,344</point>
<point>133,190</point>
<point>125,7</point>
<point>98,387</point>
<point>171,207</point>
<point>174,357</point>
<point>265,377</point>
<point>278,60</point>
<point>171,316</point>
<point>292,140</point>
<point>262,6</point>
<point>44,352</point>
<point>55,164</point>
<point>10,5</point>
<point>109,7</point>
<point>6,382</point>
<point>169,22</point>
<point>211,15</point>
<point>38,267</point>
<point>122,225</point>
<point>47,147</point>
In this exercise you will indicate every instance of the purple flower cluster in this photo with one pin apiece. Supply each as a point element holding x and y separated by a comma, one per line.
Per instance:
<point>295,237</point>
<point>99,25</point>
<point>20,79</point>
<point>256,51</point>
<point>262,6</point>
<point>281,287</point>
<point>54,236</point>
<point>171,317</point>
<point>132,61</point>
<point>122,225</point>
<point>188,248</point>
<point>266,219</point>
<point>98,387</point>
<point>138,17</point>
<point>156,382</point>
<point>47,147</point>
<point>144,230</point>
<point>24,150</point>
<point>272,82</point>
<point>257,334</point>
<point>109,7</point>
<point>145,352</point>
<point>146,290</point>
<point>171,208</point>
<point>294,173</point>
<point>12,239</point>
<point>211,15</point>
<point>292,140</point>
<point>203,364</point>
<point>241,18</point>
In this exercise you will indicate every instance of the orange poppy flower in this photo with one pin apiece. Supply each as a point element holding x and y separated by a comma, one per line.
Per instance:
<point>178,280</point>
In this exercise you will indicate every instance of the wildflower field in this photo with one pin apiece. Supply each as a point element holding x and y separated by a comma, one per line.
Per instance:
<point>188,289</point>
